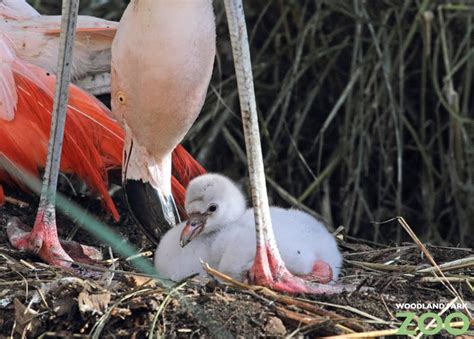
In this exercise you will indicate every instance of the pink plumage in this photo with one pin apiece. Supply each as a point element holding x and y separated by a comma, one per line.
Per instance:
<point>93,141</point>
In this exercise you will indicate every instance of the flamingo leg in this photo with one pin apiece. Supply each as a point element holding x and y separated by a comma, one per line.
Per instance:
<point>320,273</point>
<point>43,240</point>
<point>268,268</point>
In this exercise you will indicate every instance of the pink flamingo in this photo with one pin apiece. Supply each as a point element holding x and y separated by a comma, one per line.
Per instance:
<point>92,144</point>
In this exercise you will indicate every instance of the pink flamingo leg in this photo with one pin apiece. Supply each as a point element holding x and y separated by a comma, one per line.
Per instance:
<point>43,241</point>
<point>269,270</point>
<point>320,273</point>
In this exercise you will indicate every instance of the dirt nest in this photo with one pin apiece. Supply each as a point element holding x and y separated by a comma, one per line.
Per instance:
<point>114,301</point>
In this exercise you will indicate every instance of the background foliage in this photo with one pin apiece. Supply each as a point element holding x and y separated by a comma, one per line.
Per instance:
<point>366,110</point>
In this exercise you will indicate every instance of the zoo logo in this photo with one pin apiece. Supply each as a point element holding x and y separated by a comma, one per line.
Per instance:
<point>438,322</point>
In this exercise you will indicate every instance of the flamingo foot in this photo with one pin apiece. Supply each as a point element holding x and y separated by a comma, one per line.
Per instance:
<point>270,271</point>
<point>44,242</point>
<point>320,273</point>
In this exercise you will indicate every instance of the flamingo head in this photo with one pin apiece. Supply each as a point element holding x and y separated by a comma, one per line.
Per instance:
<point>212,202</point>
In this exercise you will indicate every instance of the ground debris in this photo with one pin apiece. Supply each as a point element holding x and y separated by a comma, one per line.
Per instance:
<point>26,320</point>
<point>140,281</point>
<point>36,299</point>
<point>64,306</point>
<point>93,303</point>
<point>275,327</point>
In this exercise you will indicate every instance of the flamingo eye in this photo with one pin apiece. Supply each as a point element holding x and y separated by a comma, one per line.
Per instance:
<point>121,98</point>
<point>212,208</point>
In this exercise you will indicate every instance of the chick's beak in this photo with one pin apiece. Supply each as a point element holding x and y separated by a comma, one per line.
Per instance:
<point>194,226</point>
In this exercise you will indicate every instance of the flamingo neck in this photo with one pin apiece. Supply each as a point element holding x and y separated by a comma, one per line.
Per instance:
<point>140,165</point>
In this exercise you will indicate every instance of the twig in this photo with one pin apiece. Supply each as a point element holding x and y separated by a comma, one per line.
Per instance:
<point>384,267</point>
<point>16,202</point>
<point>451,265</point>
<point>138,255</point>
<point>450,279</point>
<point>370,334</point>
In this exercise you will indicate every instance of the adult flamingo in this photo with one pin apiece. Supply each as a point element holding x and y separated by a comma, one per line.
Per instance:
<point>93,143</point>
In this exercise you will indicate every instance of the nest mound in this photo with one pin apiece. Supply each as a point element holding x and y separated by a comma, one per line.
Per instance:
<point>40,300</point>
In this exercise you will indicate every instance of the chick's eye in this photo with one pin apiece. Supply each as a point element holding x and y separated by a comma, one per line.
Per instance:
<point>212,208</point>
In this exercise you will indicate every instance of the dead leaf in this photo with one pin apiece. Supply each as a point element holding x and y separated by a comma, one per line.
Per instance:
<point>139,281</point>
<point>93,303</point>
<point>26,319</point>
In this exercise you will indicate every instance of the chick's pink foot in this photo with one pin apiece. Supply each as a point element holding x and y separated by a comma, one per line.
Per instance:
<point>43,241</point>
<point>270,272</point>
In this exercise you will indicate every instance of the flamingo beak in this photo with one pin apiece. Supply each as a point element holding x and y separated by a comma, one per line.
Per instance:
<point>153,211</point>
<point>194,226</point>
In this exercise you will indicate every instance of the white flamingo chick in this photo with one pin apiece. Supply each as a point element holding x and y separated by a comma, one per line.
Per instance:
<point>222,231</point>
<point>174,260</point>
<point>306,247</point>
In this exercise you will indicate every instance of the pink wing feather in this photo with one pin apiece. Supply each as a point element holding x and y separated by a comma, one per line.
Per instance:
<point>17,9</point>
<point>92,141</point>
<point>8,95</point>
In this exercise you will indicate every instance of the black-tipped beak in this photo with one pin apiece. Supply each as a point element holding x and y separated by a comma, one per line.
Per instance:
<point>192,229</point>
<point>154,212</point>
